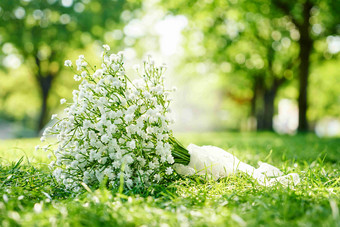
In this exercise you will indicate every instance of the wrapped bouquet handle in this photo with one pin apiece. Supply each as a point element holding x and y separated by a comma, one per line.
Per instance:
<point>218,163</point>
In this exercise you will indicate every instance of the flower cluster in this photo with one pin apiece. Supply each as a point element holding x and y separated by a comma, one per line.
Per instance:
<point>115,130</point>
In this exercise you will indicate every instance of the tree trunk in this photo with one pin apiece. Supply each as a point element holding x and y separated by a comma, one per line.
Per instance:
<point>44,81</point>
<point>259,104</point>
<point>269,98</point>
<point>253,105</point>
<point>266,114</point>
<point>45,86</point>
<point>306,45</point>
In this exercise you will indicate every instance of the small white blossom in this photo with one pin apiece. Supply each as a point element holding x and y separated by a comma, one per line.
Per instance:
<point>131,144</point>
<point>68,63</point>
<point>62,101</point>
<point>121,73</point>
<point>168,170</point>
<point>106,47</point>
<point>105,139</point>
<point>98,73</point>
<point>157,177</point>
<point>170,159</point>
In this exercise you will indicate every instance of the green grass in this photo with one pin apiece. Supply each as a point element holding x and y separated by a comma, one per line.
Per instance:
<point>30,197</point>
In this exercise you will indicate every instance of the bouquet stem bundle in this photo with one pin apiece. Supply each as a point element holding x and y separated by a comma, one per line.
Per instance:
<point>179,152</point>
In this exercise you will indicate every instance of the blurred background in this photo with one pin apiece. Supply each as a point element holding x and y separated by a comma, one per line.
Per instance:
<point>238,65</point>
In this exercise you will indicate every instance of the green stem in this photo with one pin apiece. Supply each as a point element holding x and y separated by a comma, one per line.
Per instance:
<point>179,152</point>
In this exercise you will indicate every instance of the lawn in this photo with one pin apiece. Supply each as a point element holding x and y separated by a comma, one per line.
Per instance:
<point>31,197</point>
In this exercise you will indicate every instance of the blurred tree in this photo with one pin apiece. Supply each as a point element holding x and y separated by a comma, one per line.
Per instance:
<point>243,42</point>
<point>267,54</point>
<point>42,31</point>
<point>271,40</point>
<point>314,20</point>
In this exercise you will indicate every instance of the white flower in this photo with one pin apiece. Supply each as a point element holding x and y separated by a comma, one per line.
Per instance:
<point>62,101</point>
<point>115,67</point>
<point>170,159</point>
<point>105,139</point>
<point>68,63</point>
<point>128,117</point>
<point>77,77</point>
<point>129,183</point>
<point>45,148</point>
<point>74,164</point>
<point>54,116</point>
<point>168,170</point>
<point>121,73</point>
<point>157,177</point>
<point>131,144</point>
<point>114,58</point>
<point>98,73</point>
<point>120,54</point>
<point>152,165</point>
<point>102,160</point>
<point>116,164</point>
<point>106,47</point>
<point>141,160</point>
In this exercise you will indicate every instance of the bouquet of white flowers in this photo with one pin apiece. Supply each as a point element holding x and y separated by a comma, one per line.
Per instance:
<point>115,129</point>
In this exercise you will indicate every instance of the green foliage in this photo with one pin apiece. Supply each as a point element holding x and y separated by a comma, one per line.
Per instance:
<point>235,201</point>
<point>324,95</point>
<point>40,33</point>
<point>254,47</point>
<point>44,29</point>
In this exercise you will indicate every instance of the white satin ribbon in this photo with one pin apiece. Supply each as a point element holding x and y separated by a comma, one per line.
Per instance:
<point>217,163</point>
